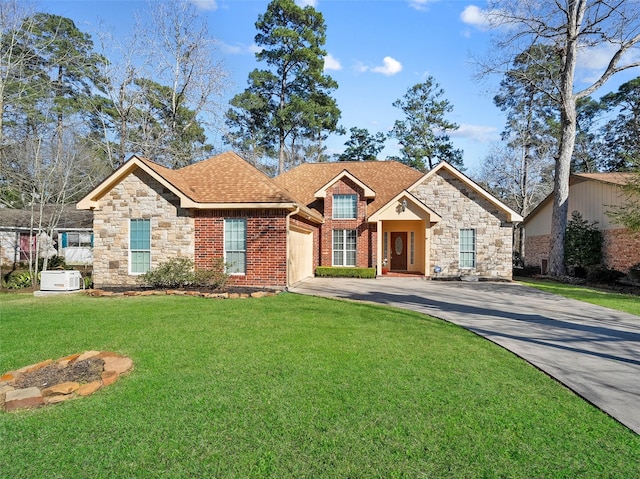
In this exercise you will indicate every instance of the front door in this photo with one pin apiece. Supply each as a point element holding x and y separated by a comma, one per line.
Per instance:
<point>398,251</point>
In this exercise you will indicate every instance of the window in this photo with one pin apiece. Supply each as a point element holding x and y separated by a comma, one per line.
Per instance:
<point>412,248</point>
<point>344,247</point>
<point>76,240</point>
<point>385,246</point>
<point>345,207</point>
<point>139,246</point>
<point>467,248</point>
<point>235,245</point>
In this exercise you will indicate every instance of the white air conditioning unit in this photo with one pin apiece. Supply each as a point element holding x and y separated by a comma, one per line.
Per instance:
<point>60,280</point>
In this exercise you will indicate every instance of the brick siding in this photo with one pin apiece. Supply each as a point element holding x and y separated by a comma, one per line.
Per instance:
<point>266,244</point>
<point>365,232</point>
<point>620,249</point>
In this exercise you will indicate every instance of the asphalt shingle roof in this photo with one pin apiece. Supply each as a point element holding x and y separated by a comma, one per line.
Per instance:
<point>385,178</point>
<point>21,218</point>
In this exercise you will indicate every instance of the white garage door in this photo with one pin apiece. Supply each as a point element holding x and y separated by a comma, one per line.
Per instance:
<point>300,255</point>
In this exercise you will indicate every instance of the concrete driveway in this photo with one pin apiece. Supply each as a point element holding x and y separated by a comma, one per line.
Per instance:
<point>592,350</point>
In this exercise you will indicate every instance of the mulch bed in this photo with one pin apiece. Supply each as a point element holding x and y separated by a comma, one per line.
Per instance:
<point>84,371</point>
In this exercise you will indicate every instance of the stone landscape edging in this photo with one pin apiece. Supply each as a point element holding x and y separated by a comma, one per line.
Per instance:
<point>180,292</point>
<point>13,398</point>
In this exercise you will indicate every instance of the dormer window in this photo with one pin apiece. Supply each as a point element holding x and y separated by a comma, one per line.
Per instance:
<point>345,207</point>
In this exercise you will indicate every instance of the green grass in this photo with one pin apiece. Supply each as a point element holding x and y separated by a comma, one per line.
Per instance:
<point>293,386</point>
<point>621,302</point>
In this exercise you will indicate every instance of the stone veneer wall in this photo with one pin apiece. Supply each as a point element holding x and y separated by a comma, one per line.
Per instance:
<point>620,249</point>
<point>460,207</point>
<point>266,244</point>
<point>366,237</point>
<point>138,196</point>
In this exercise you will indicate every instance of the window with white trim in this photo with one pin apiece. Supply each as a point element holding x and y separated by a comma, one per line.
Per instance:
<point>412,248</point>
<point>344,247</point>
<point>345,207</point>
<point>235,245</point>
<point>467,248</point>
<point>76,240</point>
<point>139,246</point>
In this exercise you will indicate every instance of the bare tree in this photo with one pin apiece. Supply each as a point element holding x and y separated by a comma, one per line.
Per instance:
<point>188,81</point>
<point>510,174</point>
<point>570,27</point>
<point>116,114</point>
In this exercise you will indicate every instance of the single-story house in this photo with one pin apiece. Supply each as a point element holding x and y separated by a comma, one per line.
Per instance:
<point>274,232</point>
<point>591,195</point>
<point>23,232</point>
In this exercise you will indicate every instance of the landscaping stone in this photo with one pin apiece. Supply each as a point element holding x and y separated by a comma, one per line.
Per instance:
<point>109,377</point>
<point>59,398</point>
<point>8,377</point>
<point>23,398</point>
<point>87,355</point>
<point>89,388</point>
<point>62,388</point>
<point>118,364</point>
<point>17,389</point>
<point>68,360</point>
<point>182,292</point>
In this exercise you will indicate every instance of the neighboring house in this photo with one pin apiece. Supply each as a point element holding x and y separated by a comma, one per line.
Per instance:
<point>20,235</point>
<point>592,195</point>
<point>274,232</point>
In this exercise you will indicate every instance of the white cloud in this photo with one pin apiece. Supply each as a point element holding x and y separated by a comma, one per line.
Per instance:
<point>420,5</point>
<point>238,49</point>
<point>476,133</point>
<point>360,67</point>
<point>476,17</point>
<point>390,66</point>
<point>592,61</point>
<point>307,3</point>
<point>210,5</point>
<point>596,58</point>
<point>332,63</point>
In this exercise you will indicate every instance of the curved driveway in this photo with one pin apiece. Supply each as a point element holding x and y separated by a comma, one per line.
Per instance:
<point>592,350</point>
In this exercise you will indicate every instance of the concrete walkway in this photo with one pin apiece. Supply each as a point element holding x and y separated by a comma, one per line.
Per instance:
<point>592,350</point>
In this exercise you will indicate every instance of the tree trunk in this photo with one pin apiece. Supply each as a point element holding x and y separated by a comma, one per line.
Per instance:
<point>568,123</point>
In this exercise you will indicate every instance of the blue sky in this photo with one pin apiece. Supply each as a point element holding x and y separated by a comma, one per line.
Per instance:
<point>377,49</point>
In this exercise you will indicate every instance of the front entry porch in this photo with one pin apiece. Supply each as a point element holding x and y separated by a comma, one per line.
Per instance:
<point>403,242</point>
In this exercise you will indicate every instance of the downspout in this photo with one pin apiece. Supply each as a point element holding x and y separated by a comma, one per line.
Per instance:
<point>379,248</point>
<point>288,226</point>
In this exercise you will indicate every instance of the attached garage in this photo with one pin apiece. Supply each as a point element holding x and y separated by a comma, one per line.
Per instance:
<point>300,254</point>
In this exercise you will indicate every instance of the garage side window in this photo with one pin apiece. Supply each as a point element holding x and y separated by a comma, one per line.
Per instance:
<point>139,246</point>
<point>344,247</point>
<point>467,248</point>
<point>235,245</point>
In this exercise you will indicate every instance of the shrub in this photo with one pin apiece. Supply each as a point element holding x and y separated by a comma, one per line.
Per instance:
<point>18,280</point>
<point>339,272</point>
<point>602,275</point>
<point>55,262</point>
<point>527,271</point>
<point>634,272</point>
<point>181,272</point>
<point>582,242</point>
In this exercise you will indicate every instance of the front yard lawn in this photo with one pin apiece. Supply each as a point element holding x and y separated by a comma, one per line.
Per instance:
<point>621,302</point>
<point>293,386</point>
